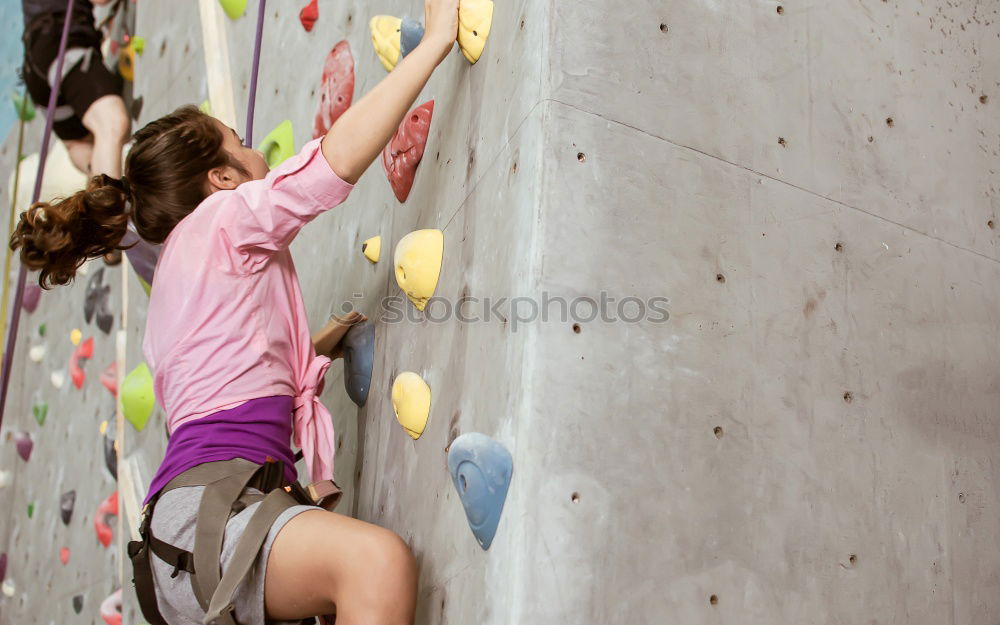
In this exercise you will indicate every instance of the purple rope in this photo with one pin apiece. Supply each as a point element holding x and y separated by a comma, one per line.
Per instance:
<point>43,153</point>
<point>248,139</point>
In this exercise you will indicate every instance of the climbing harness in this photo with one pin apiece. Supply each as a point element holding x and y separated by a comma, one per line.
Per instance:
<point>230,487</point>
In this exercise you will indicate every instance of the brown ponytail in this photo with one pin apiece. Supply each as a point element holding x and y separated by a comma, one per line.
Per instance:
<point>167,172</point>
<point>58,237</point>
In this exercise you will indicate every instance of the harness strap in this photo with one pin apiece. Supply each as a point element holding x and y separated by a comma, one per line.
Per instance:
<point>220,610</point>
<point>213,512</point>
<point>138,552</point>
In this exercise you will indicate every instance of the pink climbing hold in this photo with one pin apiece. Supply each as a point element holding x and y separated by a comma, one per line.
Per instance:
<point>308,15</point>
<point>64,556</point>
<point>24,444</point>
<point>111,608</point>
<point>83,351</point>
<point>32,293</point>
<point>403,152</point>
<point>109,378</point>
<point>336,89</point>
<point>108,508</point>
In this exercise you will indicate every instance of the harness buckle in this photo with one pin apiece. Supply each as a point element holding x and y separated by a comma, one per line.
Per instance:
<point>325,494</point>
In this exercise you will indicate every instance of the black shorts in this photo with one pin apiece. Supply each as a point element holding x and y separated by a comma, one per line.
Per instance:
<point>88,80</point>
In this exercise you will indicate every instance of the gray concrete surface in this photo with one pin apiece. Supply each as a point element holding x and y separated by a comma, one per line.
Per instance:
<point>812,436</point>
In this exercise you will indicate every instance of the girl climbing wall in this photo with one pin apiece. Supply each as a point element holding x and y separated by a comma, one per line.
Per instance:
<point>228,536</point>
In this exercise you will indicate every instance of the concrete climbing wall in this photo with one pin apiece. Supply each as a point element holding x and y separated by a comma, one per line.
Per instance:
<point>810,437</point>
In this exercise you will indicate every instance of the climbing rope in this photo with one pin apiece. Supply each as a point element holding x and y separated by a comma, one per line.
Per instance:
<point>8,258</point>
<point>248,138</point>
<point>22,274</point>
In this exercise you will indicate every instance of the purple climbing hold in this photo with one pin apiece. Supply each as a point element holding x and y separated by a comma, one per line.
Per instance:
<point>66,503</point>
<point>24,445</point>
<point>96,302</point>
<point>32,293</point>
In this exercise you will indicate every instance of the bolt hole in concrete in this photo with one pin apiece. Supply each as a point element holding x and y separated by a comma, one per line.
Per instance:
<point>718,431</point>
<point>983,99</point>
<point>781,10</point>
<point>853,559</point>
<point>522,24</point>
<point>839,247</point>
<point>714,600</point>
<point>990,224</point>
<point>575,497</point>
<point>580,156</point>
<point>961,498</point>
<point>576,328</point>
<point>871,139</point>
<point>664,28</point>
<point>513,168</point>
<point>782,142</point>
<point>848,397</point>
<point>720,278</point>
<point>890,122</point>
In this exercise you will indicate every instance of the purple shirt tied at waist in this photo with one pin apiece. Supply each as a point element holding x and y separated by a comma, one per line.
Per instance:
<point>254,431</point>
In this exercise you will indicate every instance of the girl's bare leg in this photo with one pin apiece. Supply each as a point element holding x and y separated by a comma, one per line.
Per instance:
<point>325,563</point>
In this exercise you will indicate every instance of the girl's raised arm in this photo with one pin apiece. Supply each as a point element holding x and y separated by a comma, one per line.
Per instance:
<point>364,129</point>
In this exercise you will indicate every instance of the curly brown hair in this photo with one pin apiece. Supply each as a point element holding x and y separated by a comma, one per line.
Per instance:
<point>166,170</point>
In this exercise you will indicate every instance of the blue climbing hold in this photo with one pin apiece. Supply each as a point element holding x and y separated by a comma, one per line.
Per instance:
<point>359,358</point>
<point>481,468</point>
<point>410,33</point>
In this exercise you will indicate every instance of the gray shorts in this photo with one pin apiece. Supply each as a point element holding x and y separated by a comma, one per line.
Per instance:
<point>173,522</point>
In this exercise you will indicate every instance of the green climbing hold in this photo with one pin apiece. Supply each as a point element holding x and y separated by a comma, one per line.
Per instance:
<point>40,410</point>
<point>31,509</point>
<point>41,330</point>
<point>279,145</point>
<point>205,107</point>
<point>234,8</point>
<point>138,397</point>
<point>138,44</point>
<point>23,106</point>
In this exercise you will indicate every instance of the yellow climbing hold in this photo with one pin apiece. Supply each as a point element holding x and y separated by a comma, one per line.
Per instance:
<point>475,17</point>
<point>418,264</point>
<point>385,37</point>
<point>75,336</point>
<point>234,8</point>
<point>138,397</point>
<point>279,144</point>
<point>411,400</point>
<point>104,427</point>
<point>372,249</point>
<point>126,63</point>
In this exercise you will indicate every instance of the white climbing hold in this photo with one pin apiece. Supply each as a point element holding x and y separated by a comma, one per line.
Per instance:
<point>58,378</point>
<point>37,353</point>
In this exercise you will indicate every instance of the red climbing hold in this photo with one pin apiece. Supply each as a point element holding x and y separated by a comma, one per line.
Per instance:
<point>111,608</point>
<point>308,15</point>
<point>24,444</point>
<point>29,301</point>
<point>403,152</point>
<point>108,508</point>
<point>109,378</point>
<point>86,351</point>
<point>64,556</point>
<point>336,89</point>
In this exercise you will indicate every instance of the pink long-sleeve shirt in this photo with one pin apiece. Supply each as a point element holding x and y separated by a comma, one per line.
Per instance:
<point>226,320</point>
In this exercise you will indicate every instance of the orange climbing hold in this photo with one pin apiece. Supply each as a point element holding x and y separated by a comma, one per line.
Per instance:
<point>84,351</point>
<point>403,152</point>
<point>336,88</point>
<point>107,509</point>
<point>308,15</point>
<point>109,378</point>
